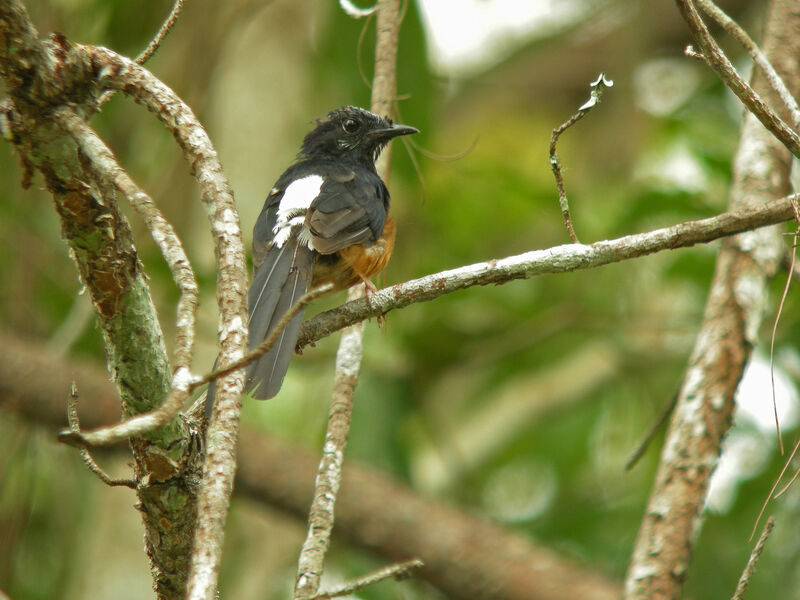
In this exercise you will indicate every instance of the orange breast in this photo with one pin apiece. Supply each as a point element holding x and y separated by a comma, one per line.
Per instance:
<point>357,263</point>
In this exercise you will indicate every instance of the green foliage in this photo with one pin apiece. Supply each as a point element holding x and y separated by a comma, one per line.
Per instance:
<point>555,378</point>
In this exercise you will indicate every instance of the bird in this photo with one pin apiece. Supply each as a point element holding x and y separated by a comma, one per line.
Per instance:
<point>326,220</point>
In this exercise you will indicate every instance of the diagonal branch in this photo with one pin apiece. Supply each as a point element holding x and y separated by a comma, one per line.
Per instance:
<point>717,60</point>
<point>397,571</point>
<point>269,341</point>
<point>143,423</point>
<point>752,561</point>
<point>733,315</point>
<point>166,27</point>
<point>760,60</point>
<point>102,163</point>
<point>558,259</point>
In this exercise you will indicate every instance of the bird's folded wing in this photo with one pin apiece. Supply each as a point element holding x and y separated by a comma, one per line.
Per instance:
<point>350,209</point>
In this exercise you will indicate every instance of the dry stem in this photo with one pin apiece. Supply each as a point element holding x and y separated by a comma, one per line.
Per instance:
<point>348,358</point>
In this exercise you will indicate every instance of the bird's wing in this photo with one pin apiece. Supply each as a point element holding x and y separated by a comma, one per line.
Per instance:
<point>350,209</point>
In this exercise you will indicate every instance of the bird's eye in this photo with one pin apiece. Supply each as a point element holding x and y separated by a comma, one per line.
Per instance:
<point>350,125</point>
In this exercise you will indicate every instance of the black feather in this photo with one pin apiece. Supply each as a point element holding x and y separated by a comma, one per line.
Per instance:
<point>276,287</point>
<point>350,208</point>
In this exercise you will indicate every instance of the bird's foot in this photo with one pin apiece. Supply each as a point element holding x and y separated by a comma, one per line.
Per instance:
<point>369,289</point>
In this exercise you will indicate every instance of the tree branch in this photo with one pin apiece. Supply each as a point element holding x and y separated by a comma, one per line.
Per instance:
<point>760,60</point>
<point>597,91</point>
<point>348,357</point>
<point>374,512</point>
<point>154,44</point>
<point>750,568</point>
<point>46,83</point>
<point>396,571</point>
<point>88,460</point>
<point>734,311</point>
<point>43,79</point>
<point>558,259</point>
<point>101,161</point>
<point>717,60</point>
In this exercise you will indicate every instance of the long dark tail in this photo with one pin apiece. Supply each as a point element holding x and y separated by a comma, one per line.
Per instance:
<point>278,283</point>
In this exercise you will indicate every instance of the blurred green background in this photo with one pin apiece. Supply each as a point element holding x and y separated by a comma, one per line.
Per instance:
<point>521,402</point>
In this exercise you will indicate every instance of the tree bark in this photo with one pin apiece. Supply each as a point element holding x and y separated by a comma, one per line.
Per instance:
<point>733,315</point>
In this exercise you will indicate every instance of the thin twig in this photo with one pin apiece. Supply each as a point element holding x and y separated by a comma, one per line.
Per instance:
<point>740,35</point>
<point>772,493</point>
<point>749,569</point>
<point>398,571</point>
<point>598,86</point>
<point>359,46</point>
<point>269,342</point>
<point>140,424</point>
<point>153,46</point>
<point>789,483</point>
<point>75,425</point>
<point>775,325</point>
<point>310,563</point>
<point>716,59</point>
<point>648,438</point>
<point>792,267</point>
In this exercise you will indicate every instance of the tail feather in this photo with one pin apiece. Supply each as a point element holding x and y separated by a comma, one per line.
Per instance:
<point>278,283</point>
<point>280,293</point>
<point>269,279</point>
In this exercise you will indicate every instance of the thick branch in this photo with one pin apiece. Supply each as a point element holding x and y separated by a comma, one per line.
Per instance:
<point>374,511</point>
<point>222,434</point>
<point>558,259</point>
<point>40,78</point>
<point>733,315</point>
<point>104,166</point>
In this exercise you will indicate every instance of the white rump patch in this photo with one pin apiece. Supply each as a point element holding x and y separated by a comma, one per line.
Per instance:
<point>293,206</point>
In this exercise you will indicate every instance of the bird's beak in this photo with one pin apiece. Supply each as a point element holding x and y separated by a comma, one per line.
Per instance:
<point>393,131</point>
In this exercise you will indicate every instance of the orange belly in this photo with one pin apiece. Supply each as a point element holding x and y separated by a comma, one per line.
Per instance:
<point>355,264</point>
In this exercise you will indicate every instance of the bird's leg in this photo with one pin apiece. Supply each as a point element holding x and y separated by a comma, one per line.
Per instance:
<point>369,289</point>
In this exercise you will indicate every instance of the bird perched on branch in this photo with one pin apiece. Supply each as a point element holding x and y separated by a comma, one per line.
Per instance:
<point>326,220</point>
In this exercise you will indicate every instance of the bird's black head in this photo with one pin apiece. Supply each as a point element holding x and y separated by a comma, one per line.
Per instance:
<point>351,133</point>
